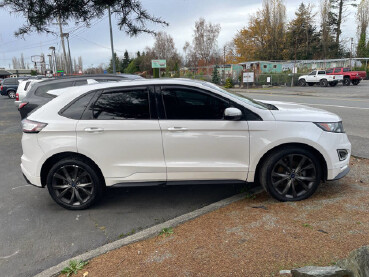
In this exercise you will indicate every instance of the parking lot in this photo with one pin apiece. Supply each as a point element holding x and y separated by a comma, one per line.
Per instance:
<point>36,233</point>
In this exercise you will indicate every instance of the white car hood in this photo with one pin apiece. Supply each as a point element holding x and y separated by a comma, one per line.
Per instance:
<point>296,112</point>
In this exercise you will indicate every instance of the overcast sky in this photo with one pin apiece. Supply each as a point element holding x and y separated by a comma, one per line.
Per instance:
<point>93,43</point>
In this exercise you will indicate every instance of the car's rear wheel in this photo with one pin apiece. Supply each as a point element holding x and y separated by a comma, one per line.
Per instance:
<point>355,82</point>
<point>11,94</point>
<point>291,174</point>
<point>324,83</point>
<point>346,81</point>
<point>74,184</point>
<point>302,83</point>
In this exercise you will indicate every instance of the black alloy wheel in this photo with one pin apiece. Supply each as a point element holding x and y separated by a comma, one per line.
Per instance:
<point>291,175</point>
<point>324,83</point>
<point>74,184</point>
<point>302,83</point>
<point>346,81</point>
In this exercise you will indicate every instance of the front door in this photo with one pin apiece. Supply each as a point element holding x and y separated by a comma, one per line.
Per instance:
<point>199,144</point>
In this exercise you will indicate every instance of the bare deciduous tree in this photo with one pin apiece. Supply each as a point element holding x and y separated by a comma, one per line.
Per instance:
<point>205,40</point>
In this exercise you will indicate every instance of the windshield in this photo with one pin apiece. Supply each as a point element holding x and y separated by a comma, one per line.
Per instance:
<point>241,97</point>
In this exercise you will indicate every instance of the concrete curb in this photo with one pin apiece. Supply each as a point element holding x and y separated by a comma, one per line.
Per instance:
<point>147,233</point>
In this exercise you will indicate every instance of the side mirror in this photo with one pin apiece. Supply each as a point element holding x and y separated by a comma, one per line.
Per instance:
<point>232,114</point>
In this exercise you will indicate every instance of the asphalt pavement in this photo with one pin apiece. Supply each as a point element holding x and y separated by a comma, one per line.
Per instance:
<point>37,234</point>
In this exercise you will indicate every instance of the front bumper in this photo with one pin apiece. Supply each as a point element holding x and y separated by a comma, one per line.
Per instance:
<point>343,173</point>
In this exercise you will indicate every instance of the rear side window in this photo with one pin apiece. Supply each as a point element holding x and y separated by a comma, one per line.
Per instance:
<point>338,70</point>
<point>321,72</point>
<point>118,105</point>
<point>42,90</point>
<point>11,81</point>
<point>77,107</point>
<point>27,85</point>
<point>191,104</point>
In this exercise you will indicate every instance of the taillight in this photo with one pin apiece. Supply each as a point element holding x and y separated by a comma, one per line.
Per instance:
<point>17,96</point>
<point>1,88</point>
<point>30,126</point>
<point>21,105</point>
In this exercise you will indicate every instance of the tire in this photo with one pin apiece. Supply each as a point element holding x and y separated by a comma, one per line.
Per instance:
<point>11,94</point>
<point>355,82</point>
<point>310,84</point>
<point>324,83</point>
<point>282,177</point>
<point>346,81</point>
<point>74,183</point>
<point>302,83</point>
<point>333,84</point>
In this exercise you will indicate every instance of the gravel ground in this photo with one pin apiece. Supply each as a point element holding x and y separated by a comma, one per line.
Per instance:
<point>254,237</point>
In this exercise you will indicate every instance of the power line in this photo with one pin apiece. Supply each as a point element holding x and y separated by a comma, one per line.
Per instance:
<point>102,46</point>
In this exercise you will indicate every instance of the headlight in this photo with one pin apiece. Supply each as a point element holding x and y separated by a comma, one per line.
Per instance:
<point>334,127</point>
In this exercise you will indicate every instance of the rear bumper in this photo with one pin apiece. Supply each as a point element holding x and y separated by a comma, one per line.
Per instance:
<point>30,179</point>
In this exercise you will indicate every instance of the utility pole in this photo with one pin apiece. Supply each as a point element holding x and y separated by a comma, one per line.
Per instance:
<point>352,42</point>
<point>224,61</point>
<point>62,42</point>
<point>112,44</point>
<point>70,58</point>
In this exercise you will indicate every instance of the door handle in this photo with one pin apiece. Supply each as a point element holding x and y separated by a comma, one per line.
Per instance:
<point>94,130</point>
<point>177,129</point>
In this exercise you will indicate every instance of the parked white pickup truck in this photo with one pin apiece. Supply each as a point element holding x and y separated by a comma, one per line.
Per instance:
<point>320,77</point>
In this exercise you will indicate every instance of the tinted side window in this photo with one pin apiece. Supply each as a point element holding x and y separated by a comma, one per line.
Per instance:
<point>191,104</point>
<point>313,73</point>
<point>329,71</point>
<point>80,83</point>
<point>128,104</point>
<point>321,72</point>
<point>26,86</point>
<point>337,70</point>
<point>76,108</point>
<point>346,70</point>
<point>11,81</point>
<point>42,90</point>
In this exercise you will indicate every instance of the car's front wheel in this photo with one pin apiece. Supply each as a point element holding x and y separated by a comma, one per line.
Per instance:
<point>291,174</point>
<point>302,82</point>
<point>74,183</point>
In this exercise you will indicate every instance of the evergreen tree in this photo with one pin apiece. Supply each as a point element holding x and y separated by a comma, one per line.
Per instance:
<point>117,64</point>
<point>125,62</point>
<point>228,83</point>
<point>215,76</point>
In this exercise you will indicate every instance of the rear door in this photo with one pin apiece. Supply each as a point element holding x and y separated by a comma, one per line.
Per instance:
<point>120,131</point>
<point>199,144</point>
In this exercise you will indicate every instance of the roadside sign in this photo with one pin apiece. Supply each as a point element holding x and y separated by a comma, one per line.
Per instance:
<point>105,72</point>
<point>158,63</point>
<point>60,71</point>
<point>248,77</point>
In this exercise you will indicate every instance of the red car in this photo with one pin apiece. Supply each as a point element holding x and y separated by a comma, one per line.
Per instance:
<point>349,76</point>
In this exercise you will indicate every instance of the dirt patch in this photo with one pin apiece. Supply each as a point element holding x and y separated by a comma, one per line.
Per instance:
<point>254,237</point>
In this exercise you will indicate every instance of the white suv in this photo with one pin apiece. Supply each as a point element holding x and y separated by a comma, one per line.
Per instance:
<point>177,131</point>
